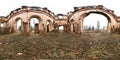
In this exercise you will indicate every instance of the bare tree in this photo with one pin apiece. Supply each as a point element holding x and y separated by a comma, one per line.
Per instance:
<point>92,27</point>
<point>98,25</point>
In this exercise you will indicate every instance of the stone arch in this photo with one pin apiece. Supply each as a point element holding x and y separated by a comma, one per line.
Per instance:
<point>60,16</point>
<point>34,23</point>
<point>17,28</point>
<point>48,22</point>
<point>73,25</point>
<point>99,21</point>
<point>108,15</point>
<point>35,16</point>
<point>80,14</point>
<point>50,25</point>
<point>28,12</point>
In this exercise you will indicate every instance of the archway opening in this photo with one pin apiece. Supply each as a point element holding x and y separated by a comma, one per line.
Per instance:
<point>48,25</point>
<point>73,25</point>
<point>95,22</point>
<point>2,25</point>
<point>61,28</point>
<point>60,17</point>
<point>34,25</point>
<point>19,24</point>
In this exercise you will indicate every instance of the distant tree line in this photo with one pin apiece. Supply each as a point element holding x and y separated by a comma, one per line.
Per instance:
<point>88,28</point>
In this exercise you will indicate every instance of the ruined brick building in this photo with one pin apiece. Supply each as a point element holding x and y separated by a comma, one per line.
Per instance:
<point>48,21</point>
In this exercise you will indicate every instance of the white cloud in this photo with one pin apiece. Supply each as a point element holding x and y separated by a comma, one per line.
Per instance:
<point>57,6</point>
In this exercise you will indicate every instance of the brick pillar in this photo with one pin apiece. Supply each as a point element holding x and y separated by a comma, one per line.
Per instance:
<point>51,27</point>
<point>79,27</point>
<point>25,28</point>
<point>109,27</point>
<point>36,28</point>
<point>71,27</point>
<point>15,27</point>
<point>75,27</point>
<point>42,28</point>
<point>0,24</point>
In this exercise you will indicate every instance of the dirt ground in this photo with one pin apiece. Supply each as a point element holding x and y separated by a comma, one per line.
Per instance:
<point>88,46</point>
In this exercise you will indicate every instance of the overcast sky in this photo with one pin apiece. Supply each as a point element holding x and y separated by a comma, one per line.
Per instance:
<point>58,6</point>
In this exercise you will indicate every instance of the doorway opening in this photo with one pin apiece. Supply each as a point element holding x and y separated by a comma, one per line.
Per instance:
<point>34,25</point>
<point>61,28</point>
<point>19,24</point>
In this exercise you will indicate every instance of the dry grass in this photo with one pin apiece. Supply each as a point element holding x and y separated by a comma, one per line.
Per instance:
<point>88,46</point>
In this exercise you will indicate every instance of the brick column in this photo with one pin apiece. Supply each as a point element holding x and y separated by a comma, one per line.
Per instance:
<point>15,27</point>
<point>71,27</point>
<point>51,27</point>
<point>109,27</point>
<point>25,28</point>
<point>79,27</point>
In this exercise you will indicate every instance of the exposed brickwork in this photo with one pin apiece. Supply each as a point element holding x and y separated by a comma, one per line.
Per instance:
<point>72,22</point>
